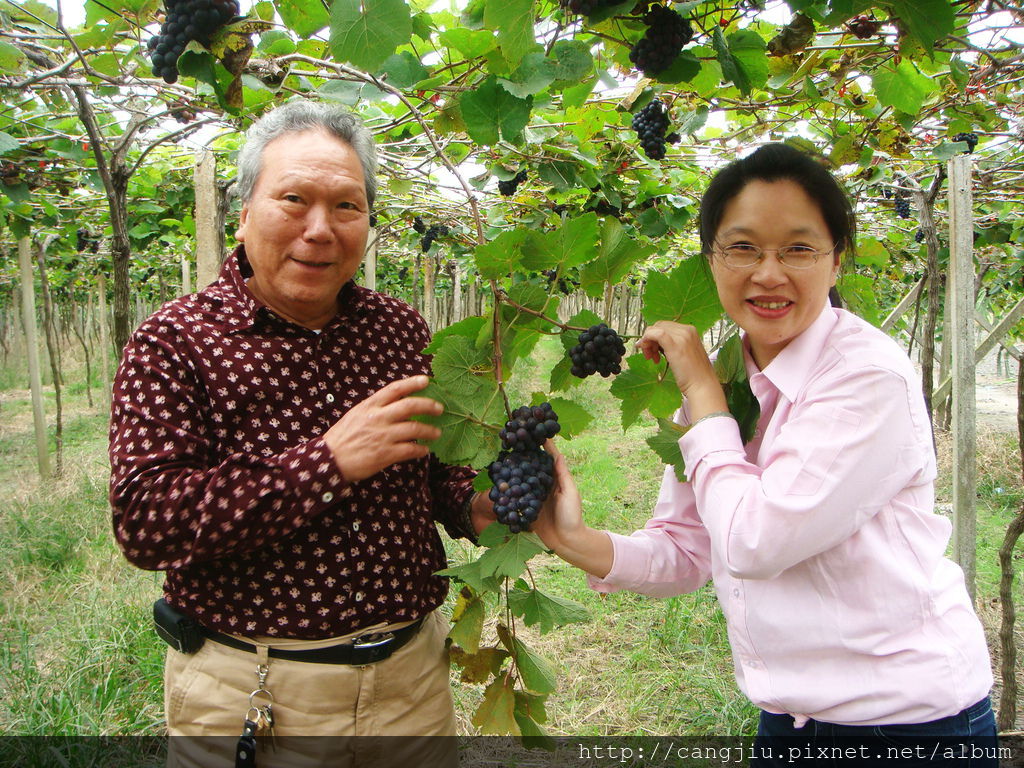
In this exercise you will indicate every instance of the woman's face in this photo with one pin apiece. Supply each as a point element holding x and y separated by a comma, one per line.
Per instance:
<point>773,303</point>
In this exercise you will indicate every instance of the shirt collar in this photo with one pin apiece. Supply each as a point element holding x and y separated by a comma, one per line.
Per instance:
<point>793,365</point>
<point>352,298</point>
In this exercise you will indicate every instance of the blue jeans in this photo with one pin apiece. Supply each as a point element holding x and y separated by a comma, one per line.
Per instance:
<point>964,740</point>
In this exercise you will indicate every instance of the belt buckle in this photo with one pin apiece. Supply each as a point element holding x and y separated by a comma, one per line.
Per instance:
<point>373,650</point>
<point>385,639</point>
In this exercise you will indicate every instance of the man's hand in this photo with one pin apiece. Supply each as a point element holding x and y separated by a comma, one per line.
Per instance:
<point>378,432</point>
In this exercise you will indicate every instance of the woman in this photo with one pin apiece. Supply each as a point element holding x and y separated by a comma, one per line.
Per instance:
<point>849,628</point>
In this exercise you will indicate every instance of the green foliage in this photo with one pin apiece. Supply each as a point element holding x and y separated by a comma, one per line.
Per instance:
<point>500,87</point>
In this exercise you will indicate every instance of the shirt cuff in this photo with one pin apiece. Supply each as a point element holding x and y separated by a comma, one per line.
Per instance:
<point>714,442</point>
<point>629,568</point>
<point>313,475</point>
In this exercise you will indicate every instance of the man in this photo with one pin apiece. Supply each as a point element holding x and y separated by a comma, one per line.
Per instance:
<point>263,455</point>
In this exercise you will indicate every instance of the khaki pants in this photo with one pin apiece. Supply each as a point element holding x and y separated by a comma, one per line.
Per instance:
<point>324,714</point>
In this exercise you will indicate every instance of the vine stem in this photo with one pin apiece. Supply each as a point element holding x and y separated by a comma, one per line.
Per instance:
<point>535,313</point>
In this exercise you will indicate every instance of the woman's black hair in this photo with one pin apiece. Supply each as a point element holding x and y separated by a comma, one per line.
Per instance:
<point>777,162</point>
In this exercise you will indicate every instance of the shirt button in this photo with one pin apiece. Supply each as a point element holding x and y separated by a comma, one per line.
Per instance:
<point>752,664</point>
<point>359,597</point>
<point>735,593</point>
<point>330,398</point>
<point>328,497</point>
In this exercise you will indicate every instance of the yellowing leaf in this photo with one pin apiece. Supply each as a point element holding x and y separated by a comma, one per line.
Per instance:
<point>496,714</point>
<point>468,620</point>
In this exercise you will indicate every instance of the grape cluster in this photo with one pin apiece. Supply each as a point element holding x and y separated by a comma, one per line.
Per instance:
<point>187,20</point>
<point>863,27</point>
<point>902,207</point>
<point>508,188</point>
<point>529,427</point>
<point>522,475</point>
<point>919,236</point>
<point>84,241</point>
<point>586,7</point>
<point>521,481</point>
<point>418,225</point>
<point>667,33</point>
<point>970,139</point>
<point>599,350</point>
<point>431,234</point>
<point>650,124</point>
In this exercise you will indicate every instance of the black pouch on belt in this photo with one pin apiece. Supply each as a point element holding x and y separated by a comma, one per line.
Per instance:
<point>179,631</point>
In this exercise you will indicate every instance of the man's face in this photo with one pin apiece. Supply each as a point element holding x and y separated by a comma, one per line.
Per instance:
<point>305,225</point>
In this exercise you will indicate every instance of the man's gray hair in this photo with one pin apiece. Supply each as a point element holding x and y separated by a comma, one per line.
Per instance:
<point>297,116</point>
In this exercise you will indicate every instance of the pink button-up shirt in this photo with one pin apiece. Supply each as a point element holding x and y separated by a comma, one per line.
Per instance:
<point>820,535</point>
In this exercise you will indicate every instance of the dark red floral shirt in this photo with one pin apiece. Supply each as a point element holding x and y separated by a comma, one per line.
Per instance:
<point>219,476</point>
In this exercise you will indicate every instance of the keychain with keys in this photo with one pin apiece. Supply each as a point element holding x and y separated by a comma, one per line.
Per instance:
<point>267,715</point>
<point>245,751</point>
<point>260,715</point>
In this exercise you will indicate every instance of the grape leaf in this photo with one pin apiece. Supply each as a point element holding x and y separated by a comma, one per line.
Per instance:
<point>560,175</point>
<point>532,735</point>
<point>467,620</point>
<point>8,143</point>
<point>514,21</point>
<point>367,32</point>
<point>572,62</point>
<point>572,417</point>
<point>468,327</point>
<point>500,257</point>
<point>903,87</point>
<point>478,667</point>
<point>561,376</point>
<point>532,705</point>
<point>471,43</point>
<point>645,385</point>
<point>482,482</point>
<point>534,74</point>
<point>535,672</point>
<point>461,367</point>
<point>404,70</point>
<point>617,253</point>
<point>496,714</point>
<point>303,17</point>
<point>573,243</point>
<point>732,372</point>
<point>546,610</point>
<point>665,443</point>
<point>469,573</point>
<point>687,294</point>
<point>729,363</point>
<point>532,295</point>
<point>927,20</point>
<point>462,440</point>
<point>491,113</point>
<point>738,58</point>
<point>509,557</point>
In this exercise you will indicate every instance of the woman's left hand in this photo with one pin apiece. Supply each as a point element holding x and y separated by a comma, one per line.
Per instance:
<point>694,374</point>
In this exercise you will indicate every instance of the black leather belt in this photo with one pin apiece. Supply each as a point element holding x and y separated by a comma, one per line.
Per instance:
<point>365,649</point>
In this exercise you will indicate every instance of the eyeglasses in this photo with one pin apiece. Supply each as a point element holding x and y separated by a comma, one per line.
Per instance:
<point>746,255</point>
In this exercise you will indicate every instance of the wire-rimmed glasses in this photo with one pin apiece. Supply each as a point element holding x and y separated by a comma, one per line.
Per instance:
<point>746,255</point>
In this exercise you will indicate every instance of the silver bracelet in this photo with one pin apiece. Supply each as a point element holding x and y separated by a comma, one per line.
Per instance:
<point>715,415</point>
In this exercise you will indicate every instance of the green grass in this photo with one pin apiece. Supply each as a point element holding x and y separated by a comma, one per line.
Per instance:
<point>78,656</point>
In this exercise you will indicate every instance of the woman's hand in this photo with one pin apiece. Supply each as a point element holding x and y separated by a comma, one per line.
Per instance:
<point>694,374</point>
<point>560,524</point>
